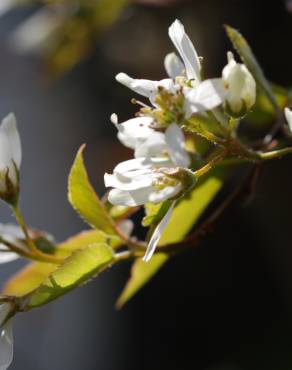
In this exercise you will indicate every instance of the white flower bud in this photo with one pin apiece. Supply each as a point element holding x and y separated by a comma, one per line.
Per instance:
<point>240,86</point>
<point>10,159</point>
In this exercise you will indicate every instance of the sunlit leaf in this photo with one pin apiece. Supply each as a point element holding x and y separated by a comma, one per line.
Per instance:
<point>84,239</point>
<point>28,279</point>
<point>184,217</point>
<point>76,270</point>
<point>188,211</point>
<point>32,275</point>
<point>84,199</point>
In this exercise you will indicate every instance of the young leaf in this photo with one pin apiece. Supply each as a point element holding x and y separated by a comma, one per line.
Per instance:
<point>32,275</point>
<point>247,56</point>
<point>84,199</point>
<point>28,279</point>
<point>85,238</point>
<point>76,270</point>
<point>185,215</point>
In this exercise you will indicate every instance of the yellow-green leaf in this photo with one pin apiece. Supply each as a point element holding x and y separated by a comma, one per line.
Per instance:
<point>188,211</point>
<point>28,279</point>
<point>84,199</point>
<point>76,270</point>
<point>185,215</point>
<point>32,275</point>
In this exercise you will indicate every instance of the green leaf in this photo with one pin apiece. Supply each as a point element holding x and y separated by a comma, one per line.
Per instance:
<point>184,217</point>
<point>32,275</point>
<point>76,270</point>
<point>84,199</point>
<point>191,207</point>
<point>247,56</point>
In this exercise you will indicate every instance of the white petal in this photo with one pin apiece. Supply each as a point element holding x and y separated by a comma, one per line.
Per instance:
<point>133,165</point>
<point>138,181</point>
<point>208,95</point>
<point>129,199</point>
<point>5,151</point>
<point>154,146</point>
<point>157,234</point>
<point>175,141</point>
<point>6,338</point>
<point>135,130</point>
<point>173,66</point>
<point>288,115</point>
<point>141,164</point>
<point>186,50</point>
<point>168,192</point>
<point>143,87</point>
<point>9,126</point>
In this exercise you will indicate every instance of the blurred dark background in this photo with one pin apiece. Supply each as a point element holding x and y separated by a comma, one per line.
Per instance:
<point>226,305</point>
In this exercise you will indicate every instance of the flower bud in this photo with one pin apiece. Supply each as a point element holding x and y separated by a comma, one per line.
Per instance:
<point>240,86</point>
<point>10,159</point>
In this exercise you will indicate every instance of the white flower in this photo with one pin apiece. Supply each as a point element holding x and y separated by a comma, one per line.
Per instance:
<point>137,134</point>
<point>240,86</point>
<point>141,180</point>
<point>10,158</point>
<point>6,337</point>
<point>186,50</point>
<point>288,115</point>
<point>184,76</point>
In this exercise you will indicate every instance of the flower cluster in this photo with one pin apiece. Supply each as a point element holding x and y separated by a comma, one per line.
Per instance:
<point>161,167</point>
